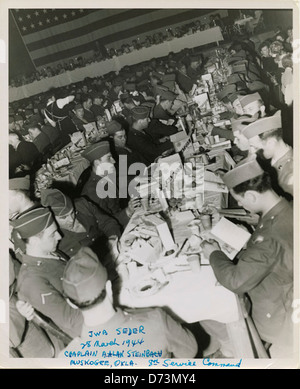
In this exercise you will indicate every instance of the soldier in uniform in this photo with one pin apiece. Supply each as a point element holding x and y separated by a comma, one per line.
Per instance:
<point>128,104</point>
<point>40,278</point>
<point>97,106</point>
<point>86,285</point>
<point>139,139</point>
<point>117,89</point>
<point>40,140</point>
<point>87,103</point>
<point>122,154</point>
<point>53,133</point>
<point>15,162</point>
<point>78,118</point>
<point>19,125</point>
<point>81,224</point>
<point>253,105</point>
<point>26,339</point>
<point>264,269</point>
<point>118,146</point>
<point>27,152</point>
<point>101,186</point>
<point>183,80</point>
<point>266,134</point>
<point>19,196</point>
<point>20,201</point>
<point>195,68</point>
<point>163,121</point>
<point>162,110</point>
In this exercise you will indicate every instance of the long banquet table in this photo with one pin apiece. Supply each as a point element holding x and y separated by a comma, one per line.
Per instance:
<point>117,63</point>
<point>184,285</point>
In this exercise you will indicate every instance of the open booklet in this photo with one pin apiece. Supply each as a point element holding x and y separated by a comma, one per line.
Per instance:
<point>230,237</point>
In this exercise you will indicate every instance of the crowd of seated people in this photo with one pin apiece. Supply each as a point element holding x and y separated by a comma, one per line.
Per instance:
<point>49,232</point>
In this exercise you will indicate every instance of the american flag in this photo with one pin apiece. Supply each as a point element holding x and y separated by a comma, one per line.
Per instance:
<point>54,35</point>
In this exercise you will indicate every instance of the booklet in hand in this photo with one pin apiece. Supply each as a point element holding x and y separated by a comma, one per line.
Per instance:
<point>230,237</point>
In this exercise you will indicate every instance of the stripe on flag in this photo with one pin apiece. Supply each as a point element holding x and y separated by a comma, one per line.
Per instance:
<point>53,35</point>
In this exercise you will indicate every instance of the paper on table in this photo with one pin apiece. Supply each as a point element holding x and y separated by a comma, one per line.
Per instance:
<point>178,136</point>
<point>192,201</point>
<point>214,183</point>
<point>117,106</point>
<point>231,237</point>
<point>215,187</point>
<point>188,150</point>
<point>222,123</point>
<point>143,252</point>
<point>216,199</point>
<point>89,127</point>
<point>77,138</point>
<point>165,236</point>
<point>147,189</point>
<point>184,216</point>
<point>212,177</point>
<point>173,159</point>
<point>62,162</point>
<point>208,78</point>
<point>229,163</point>
<point>182,143</point>
<point>221,145</point>
<point>171,170</point>
<point>202,101</point>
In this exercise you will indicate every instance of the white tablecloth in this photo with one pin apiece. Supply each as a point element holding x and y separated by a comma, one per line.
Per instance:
<point>190,297</point>
<point>117,63</point>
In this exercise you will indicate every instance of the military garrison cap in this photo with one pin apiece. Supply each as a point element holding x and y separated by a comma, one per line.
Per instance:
<point>226,91</point>
<point>239,68</point>
<point>84,276</point>
<point>262,125</point>
<point>113,127</point>
<point>33,222</point>
<point>165,93</point>
<point>248,99</point>
<point>140,112</point>
<point>242,172</point>
<point>96,151</point>
<point>19,183</point>
<point>60,204</point>
<point>233,78</point>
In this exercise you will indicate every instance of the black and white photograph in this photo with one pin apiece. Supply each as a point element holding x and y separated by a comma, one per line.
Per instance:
<point>150,186</point>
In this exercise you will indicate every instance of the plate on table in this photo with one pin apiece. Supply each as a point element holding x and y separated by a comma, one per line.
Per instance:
<point>145,288</point>
<point>149,285</point>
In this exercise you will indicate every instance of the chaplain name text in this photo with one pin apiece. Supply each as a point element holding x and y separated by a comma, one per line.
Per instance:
<point>114,354</point>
